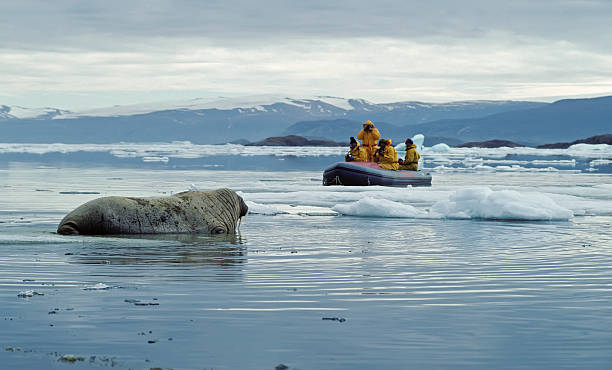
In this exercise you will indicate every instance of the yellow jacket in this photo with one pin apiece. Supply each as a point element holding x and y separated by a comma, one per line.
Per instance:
<point>368,138</point>
<point>359,154</point>
<point>388,160</point>
<point>411,161</point>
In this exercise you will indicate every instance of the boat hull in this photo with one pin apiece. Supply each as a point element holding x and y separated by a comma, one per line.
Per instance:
<point>369,173</point>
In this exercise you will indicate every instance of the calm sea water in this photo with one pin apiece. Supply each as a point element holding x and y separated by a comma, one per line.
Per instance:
<point>301,285</point>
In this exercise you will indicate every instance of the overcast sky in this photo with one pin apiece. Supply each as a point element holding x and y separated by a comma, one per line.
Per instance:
<point>78,54</point>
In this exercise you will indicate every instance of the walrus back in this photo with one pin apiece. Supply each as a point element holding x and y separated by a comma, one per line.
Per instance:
<point>188,212</point>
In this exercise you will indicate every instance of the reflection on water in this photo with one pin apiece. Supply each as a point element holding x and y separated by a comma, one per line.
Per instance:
<point>221,250</point>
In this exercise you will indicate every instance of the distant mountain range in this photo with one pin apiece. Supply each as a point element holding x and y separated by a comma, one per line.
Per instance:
<point>563,120</point>
<point>330,118</point>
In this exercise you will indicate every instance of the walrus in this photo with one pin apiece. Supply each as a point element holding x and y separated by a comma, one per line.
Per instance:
<point>201,212</point>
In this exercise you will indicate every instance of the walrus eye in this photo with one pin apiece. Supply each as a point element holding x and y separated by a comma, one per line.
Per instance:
<point>218,230</point>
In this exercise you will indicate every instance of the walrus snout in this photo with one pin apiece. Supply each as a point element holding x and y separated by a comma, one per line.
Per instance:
<point>243,207</point>
<point>68,228</point>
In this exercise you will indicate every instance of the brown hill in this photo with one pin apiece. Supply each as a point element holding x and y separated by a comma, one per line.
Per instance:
<point>599,139</point>
<point>294,140</point>
<point>490,144</point>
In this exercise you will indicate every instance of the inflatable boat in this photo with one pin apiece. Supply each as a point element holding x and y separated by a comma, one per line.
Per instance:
<point>370,173</point>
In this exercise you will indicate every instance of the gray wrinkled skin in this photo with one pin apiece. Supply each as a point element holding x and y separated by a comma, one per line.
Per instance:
<point>202,212</point>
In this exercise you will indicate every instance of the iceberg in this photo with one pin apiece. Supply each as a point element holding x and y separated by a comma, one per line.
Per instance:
<point>484,203</point>
<point>375,207</point>
<point>440,148</point>
<point>470,203</point>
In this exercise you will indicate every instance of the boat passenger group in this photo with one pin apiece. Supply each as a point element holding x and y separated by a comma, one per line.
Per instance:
<point>375,149</point>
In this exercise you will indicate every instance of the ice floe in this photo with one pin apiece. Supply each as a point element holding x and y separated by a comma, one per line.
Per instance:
<point>28,294</point>
<point>440,148</point>
<point>186,149</point>
<point>98,286</point>
<point>262,209</point>
<point>512,202</point>
<point>484,203</point>
<point>470,203</point>
<point>439,157</point>
<point>375,207</point>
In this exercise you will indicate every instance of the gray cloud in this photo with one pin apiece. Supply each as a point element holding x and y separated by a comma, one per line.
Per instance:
<point>381,50</point>
<point>73,23</point>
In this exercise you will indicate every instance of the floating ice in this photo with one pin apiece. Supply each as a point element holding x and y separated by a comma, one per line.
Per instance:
<point>288,209</point>
<point>605,148</point>
<point>155,159</point>
<point>440,148</point>
<point>162,152</point>
<point>28,293</point>
<point>484,203</point>
<point>597,156</point>
<point>374,207</point>
<point>263,209</point>
<point>470,203</point>
<point>418,140</point>
<point>99,286</point>
<point>485,168</point>
<point>600,162</point>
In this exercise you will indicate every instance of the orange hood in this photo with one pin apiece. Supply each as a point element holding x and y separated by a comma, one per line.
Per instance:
<point>368,123</point>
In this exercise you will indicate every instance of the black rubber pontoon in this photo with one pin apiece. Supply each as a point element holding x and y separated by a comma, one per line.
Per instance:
<point>369,173</point>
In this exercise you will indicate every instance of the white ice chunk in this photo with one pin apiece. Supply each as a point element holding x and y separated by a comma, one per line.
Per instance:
<point>99,286</point>
<point>440,148</point>
<point>484,203</point>
<point>600,162</point>
<point>263,209</point>
<point>28,293</point>
<point>155,159</point>
<point>374,207</point>
<point>418,140</point>
<point>469,203</point>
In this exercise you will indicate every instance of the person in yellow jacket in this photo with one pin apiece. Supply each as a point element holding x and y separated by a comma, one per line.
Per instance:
<point>411,161</point>
<point>368,136</point>
<point>356,153</point>
<point>386,156</point>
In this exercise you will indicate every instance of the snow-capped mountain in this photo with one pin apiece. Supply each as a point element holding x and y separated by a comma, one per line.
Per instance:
<point>318,106</point>
<point>16,112</point>
<point>256,103</point>
<point>224,119</point>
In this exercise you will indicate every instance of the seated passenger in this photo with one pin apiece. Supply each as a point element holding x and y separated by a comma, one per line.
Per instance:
<point>411,161</point>
<point>386,156</point>
<point>356,153</point>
